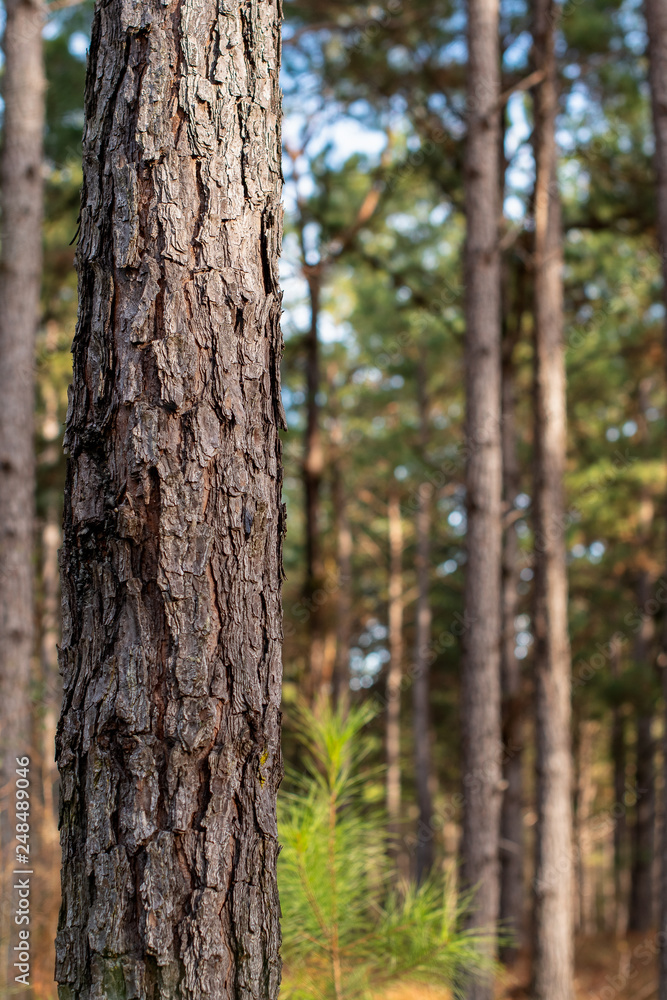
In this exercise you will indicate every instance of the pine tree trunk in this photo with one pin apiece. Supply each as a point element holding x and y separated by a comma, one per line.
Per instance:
<point>341,671</point>
<point>481,670</point>
<point>640,909</point>
<point>511,818</point>
<point>313,467</point>
<point>44,829</point>
<point>618,756</point>
<point>168,744</point>
<point>585,795</point>
<point>421,686</point>
<point>553,967</point>
<point>20,277</point>
<point>656,17</point>
<point>395,672</point>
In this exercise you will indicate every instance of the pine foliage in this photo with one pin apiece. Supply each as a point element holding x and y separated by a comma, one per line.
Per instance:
<point>347,931</point>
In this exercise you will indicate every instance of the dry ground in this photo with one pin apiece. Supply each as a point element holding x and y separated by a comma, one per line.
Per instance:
<point>607,969</point>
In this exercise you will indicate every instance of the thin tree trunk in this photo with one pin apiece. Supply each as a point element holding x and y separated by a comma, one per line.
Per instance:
<point>481,670</point>
<point>341,671</point>
<point>553,962</point>
<point>23,88</point>
<point>640,911</point>
<point>511,818</point>
<point>49,677</point>
<point>656,17</point>
<point>45,826</point>
<point>421,684</point>
<point>585,795</point>
<point>640,914</point>
<point>313,467</point>
<point>168,744</point>
<point>395,672</point>
<point>618,756</point>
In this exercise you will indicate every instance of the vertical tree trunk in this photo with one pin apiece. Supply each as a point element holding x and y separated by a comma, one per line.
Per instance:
<point>640,911</point>
<point>421,686</point>
<point>511,818</point>
<point>585,795</point>
<point>49,677</point>
<point>553,968</point>
<point>395,671</point>
<point>313,467</point>
<point>618,756</point>
<point>20,277</point>
<point>481,670</point>
<point>656,17</point>
<point>341,671</point>
<point>44,827</point>
<point>168,744</point>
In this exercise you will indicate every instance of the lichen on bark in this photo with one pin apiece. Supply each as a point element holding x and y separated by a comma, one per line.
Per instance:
<point>168,743</point>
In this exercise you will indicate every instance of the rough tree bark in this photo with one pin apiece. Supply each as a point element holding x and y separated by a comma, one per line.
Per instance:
<point>20,276</point>
<point>553,952</point>
<point>511,817</point>
<point>168,744</point>
<point>481,670</point>
<point>656,17</point>
<point>421,685</point>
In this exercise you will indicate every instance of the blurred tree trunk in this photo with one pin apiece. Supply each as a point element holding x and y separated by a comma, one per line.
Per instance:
<point>313,467</point>
<point>553,962</point>
<point>511,818</point>
<point>585,796</point>
<point>395,672</point>
<point>421,687</point>
<point>23,88</point>
<point>45,829</point>
<point>481,670</point>
<point>640,910</point>
<point>656,17</point>
<point>169,742</point>
<point>341,671</point>
<point>49,678</point>
<point>618,756</point>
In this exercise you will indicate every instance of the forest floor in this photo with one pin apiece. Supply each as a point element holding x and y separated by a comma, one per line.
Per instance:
<point>607,968</point>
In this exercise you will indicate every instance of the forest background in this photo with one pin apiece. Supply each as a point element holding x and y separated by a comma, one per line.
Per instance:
<point>373,390</point>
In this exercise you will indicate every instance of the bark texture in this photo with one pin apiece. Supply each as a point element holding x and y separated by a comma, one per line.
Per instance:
<point>656,18</point>
<point>553,968</point>
<point>168,744</point>
<point>20,275</point>
<point>481,670</point>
